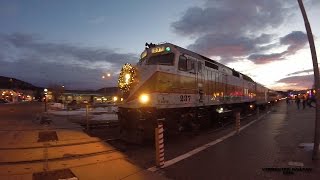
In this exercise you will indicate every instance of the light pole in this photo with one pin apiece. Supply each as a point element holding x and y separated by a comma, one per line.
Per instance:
<point>45,99</point>
<point>108,75</point>
<point>315,154</point>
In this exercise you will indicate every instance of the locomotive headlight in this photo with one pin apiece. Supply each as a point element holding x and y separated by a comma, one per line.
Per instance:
<point>144,98</point>
<point>115,98</point>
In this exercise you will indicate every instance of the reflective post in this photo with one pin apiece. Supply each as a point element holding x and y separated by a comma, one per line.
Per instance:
<point>159,143</point>
<point>87,118</point>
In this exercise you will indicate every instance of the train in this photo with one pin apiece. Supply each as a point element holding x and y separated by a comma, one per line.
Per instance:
<point>184,90</point>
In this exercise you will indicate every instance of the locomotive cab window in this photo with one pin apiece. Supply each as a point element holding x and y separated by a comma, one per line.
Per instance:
<point>182,65</point>
<point>191,65</point>
<point>163,59</point>
<point>186,64</point>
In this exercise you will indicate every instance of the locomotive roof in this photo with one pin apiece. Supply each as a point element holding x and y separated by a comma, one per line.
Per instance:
<point>199,56</point>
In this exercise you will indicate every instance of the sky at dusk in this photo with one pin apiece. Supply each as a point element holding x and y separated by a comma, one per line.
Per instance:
<point>74,42</point>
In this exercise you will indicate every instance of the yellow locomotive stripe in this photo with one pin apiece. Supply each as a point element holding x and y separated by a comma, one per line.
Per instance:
<point>163,82</point>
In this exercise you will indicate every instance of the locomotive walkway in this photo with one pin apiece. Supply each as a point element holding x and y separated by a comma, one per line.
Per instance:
<point>268,149</point>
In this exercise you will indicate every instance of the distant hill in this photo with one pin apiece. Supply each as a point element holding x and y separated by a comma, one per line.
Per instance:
<point>12,83</point>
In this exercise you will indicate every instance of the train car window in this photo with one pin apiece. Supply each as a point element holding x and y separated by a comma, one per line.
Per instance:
<point>163,59</point>
<point>182,65</point>
<point>210,65</point>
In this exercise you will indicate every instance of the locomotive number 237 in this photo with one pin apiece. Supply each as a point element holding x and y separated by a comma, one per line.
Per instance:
<point>185,98</point>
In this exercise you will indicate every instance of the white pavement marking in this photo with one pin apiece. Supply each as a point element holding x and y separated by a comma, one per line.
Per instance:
<point>292,163</point>
<point>201,148</point>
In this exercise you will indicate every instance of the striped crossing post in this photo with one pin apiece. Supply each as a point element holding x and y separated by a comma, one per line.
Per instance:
<point>237,121</point>
<point>159,142</point>
<point>87,117</point>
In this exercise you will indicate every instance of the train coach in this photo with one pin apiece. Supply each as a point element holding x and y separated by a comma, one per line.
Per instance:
<point>184,90</point>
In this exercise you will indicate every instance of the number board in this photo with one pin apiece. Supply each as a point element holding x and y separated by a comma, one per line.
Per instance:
<point>157,49</point>
<point>185,98</point>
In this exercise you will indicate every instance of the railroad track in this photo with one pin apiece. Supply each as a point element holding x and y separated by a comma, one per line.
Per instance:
<point>97,125</point>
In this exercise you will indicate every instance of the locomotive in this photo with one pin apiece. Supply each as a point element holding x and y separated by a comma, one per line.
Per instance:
<point>184,90</point>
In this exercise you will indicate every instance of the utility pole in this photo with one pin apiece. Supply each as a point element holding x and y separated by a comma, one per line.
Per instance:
<point>315,154</point>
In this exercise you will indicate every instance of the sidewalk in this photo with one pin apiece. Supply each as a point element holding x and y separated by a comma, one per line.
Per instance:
<point>77,154</point>
<point>272,142</point>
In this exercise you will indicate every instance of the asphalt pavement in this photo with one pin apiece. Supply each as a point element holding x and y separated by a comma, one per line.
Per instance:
<point>268,149</point>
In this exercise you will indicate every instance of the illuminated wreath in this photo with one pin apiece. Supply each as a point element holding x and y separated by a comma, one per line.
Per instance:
<point>126,77</point>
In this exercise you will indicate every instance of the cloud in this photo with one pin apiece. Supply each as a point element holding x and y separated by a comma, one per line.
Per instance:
<point>295,41</point>
<point>301,72</point>
<point>27,57</point>
<point>298,82</point>
<point>230,17</point>
<point>229,45</point>
<point>231,28</point>
<point>265,58</point>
